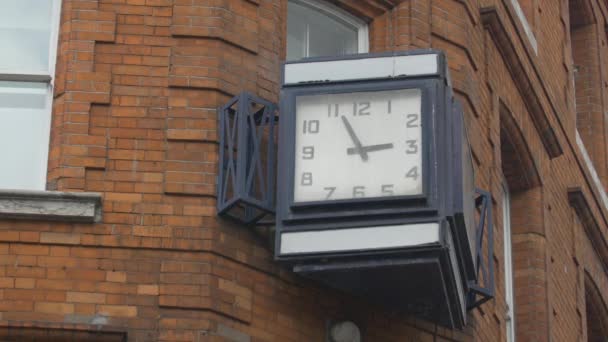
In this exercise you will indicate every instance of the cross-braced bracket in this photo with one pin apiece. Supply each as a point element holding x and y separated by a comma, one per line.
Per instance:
<point>483,289</point>
<point>247,151</point>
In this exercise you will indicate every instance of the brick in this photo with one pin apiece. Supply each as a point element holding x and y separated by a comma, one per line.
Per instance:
<point>117,277</point>
<point>60,238</point>
<point>54,308</point>
<point>25,283</point>
<point>151,290</point>
<point>85,297</point>
<point>117,310</point>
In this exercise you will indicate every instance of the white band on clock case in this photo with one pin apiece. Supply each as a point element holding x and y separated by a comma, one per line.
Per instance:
<point>356,69</point>
<point>367,238</point>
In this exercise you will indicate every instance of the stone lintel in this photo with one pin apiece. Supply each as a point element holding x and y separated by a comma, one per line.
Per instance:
<point>50,205</point>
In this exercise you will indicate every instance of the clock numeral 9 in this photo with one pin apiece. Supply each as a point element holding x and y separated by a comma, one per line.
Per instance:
<point>311,126</point>
<point>412,146</point>
<point>306,179</point>
<point>358,191</point>
<point>308,152</point>
<point>412,173</point>
<point>412,120</point>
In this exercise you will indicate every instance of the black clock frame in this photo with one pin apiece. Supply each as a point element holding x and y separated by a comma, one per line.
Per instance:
<point>289,101</point>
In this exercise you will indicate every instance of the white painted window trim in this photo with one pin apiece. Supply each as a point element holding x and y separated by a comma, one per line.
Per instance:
<point>594,176</point>
<point>524,21</point>
<point>508,261</point>
<point>43,76</point>
<point>341,15</point>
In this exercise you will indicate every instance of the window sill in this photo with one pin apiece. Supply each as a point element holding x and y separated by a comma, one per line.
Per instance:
<point>50,206</point>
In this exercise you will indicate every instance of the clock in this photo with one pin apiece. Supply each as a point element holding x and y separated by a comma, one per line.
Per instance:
<point>358,145</point>
<point>375,186</point>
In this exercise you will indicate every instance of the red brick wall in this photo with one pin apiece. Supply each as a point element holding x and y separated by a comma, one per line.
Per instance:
<point>137,85</point>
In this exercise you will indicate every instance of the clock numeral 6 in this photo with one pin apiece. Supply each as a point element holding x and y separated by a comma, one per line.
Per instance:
<point>358,191</point>
<point>311,126</point>
<point>412,146</point>
<point>308,152</point>
<point>412,173</point>
<point>306,179</point>
<point>412,120</point>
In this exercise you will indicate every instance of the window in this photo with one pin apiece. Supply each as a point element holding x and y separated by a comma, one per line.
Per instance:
<point>596,312</point>
<point>28,32</point>
<point>316,28</point>
<point>506,227</point>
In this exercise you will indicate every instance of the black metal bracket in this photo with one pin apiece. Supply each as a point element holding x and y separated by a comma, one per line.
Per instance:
<point>247,154</point>
<point>478,293</point>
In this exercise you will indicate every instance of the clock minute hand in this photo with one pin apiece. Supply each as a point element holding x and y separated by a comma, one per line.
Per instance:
<point>370,148</point>
<point>358,147</point>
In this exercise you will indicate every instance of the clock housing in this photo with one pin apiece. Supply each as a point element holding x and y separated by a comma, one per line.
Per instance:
<point>344,217</point>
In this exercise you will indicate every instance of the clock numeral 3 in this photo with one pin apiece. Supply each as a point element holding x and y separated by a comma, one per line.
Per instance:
<point>358,191</point>
<point>306,179</point>
<point>330,191</point>
<point>311,126</point>
<point>308,152</point>
<point>412,173</point>
<point>412,121</point>
<point>412,146</point>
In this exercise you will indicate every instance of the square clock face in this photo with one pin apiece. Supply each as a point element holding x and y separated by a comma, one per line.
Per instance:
<point>358,145</point>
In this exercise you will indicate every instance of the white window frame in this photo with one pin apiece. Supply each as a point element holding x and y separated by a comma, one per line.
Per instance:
<point>42,76</point>
<point>526,25</point>
<point>341,15</point>
<point>508,260</point>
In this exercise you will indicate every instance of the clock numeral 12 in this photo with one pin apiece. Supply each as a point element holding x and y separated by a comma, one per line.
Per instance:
<point>311,126</point>
<point>361,108</point>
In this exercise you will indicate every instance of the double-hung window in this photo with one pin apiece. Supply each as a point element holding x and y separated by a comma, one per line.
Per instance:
<point>316,28</point>
<point>28,32</point>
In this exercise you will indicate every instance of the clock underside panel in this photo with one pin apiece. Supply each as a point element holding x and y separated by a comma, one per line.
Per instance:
<point>413,286</point>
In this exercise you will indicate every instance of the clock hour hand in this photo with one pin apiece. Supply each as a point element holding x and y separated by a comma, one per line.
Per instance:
<point>358,147</point>
<point>370,148</point>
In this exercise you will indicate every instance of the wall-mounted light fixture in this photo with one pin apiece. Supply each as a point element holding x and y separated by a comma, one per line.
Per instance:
<point>246,179</point>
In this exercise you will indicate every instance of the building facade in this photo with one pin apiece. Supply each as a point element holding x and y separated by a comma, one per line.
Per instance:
<point>109,132</point>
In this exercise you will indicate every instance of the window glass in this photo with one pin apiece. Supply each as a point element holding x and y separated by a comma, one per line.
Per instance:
<point>313,32</point>
<point>24,134</point>
<point>25,33</point>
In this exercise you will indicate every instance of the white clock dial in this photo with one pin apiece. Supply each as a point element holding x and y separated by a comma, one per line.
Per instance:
<point>358,145</point>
